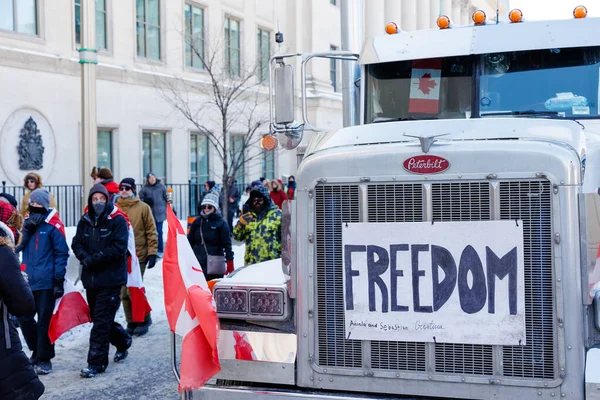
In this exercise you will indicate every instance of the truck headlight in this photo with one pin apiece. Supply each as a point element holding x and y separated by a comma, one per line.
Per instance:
<point>266,302</point>
<point>253,303</point>
<point>232,301</point>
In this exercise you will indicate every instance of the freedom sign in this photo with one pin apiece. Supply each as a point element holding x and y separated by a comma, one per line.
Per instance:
<point>446,282</point>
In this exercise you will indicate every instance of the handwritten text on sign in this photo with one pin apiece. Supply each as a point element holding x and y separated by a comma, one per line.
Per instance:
<point>452,282</point>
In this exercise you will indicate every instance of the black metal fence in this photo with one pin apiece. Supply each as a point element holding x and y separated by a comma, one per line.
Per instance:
<point>70,205</point>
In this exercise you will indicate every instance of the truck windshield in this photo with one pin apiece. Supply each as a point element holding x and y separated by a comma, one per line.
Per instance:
<point>419,89</point>
<point>562,83</point>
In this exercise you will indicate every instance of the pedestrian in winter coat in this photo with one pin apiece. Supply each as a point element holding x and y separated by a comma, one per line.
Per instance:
<point>13,219</point>
<point>146,245</point>
<point>233,198</point>
<point>244,208</point>
<point>210,233</point>
<point>100,244</point>
<point>291,188</point>
<point>260,228</point>
<point>18,380</point>
<point>31,182</point>
<point>106,178</point>
<point>154,193</point>
<point>45,256</point>
<point>277,193</point>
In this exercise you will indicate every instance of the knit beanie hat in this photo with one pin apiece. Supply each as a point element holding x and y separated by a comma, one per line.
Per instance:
<point>40,196</point>
<point>128,182</point>
<point>10,199</point>
<point>12,220</point>
<point>211,199</point>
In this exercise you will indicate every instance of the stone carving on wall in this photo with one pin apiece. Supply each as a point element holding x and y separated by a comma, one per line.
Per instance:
<point>31,148</point>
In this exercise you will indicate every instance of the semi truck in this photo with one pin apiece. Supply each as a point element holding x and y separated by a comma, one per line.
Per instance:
<point>443,243</point>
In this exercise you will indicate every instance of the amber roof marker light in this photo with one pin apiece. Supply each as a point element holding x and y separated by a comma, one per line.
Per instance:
<point>580,12</point>
<point>479,17</point>
<point>515,15</point>
<point>269,142</point>
<point>443,22</point>
<point>391,28</point>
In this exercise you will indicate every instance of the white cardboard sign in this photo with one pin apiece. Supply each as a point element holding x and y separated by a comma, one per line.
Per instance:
<point>446,282</point>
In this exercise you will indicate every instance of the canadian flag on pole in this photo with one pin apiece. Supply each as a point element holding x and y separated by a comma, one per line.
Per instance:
<point>70,310</point>
<point>191,309</point>
<point>426,77</point>
<point>139,303</point>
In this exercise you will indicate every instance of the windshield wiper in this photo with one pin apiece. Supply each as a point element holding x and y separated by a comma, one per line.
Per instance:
<point>545,114</point>
<point>392,119</point>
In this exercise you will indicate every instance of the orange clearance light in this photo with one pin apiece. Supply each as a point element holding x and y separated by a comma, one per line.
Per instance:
<point>443,22</point>
<point>269,142</point>
<point>391,28</point>
<point>580,12</point>
<point>515,15</point>
<point>479,17</point>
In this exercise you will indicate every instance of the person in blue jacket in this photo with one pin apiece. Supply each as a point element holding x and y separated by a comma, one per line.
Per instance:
<point>45,255</point>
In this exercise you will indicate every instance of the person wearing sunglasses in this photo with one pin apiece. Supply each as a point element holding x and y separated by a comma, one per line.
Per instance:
<point>146,245</point>
<point>209,236</point>
<point>31,182</point>
<point>260,228</point>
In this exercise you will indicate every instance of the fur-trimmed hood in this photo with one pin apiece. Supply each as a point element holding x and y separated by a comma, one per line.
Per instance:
<point>36,177</point>
<point>6,236</point>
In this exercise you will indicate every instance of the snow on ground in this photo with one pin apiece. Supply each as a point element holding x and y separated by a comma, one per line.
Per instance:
<point>146,373</point>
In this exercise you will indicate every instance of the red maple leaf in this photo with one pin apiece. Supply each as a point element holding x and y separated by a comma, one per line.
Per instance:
<point>426,83</point>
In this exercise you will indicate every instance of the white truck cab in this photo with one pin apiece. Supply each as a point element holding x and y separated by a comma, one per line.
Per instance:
<point>445,246</point>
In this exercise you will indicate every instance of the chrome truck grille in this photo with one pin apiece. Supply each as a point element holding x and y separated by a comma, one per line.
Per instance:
<point>529,201</point>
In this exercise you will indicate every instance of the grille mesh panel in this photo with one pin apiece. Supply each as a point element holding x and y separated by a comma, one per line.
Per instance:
<point>532,202</point>
<point>468,201</point>
<point>396,203</point>
<point>334,206</point>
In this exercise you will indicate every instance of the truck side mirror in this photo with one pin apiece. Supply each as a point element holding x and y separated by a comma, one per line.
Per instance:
<point>284,93</point>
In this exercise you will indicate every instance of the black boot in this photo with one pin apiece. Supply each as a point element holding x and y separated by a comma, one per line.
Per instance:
<point>142,328</point>
<point>122,354</point>
<point>131,327</point>
<point>43,367</point>
<point>92,370</point>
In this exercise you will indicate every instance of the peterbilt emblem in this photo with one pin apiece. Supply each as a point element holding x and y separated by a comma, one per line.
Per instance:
<point>426,164</point>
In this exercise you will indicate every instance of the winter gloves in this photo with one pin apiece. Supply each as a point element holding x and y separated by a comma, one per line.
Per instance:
<point>151,261</point>
<point>230,266</point>
<point>247,218</point>
<point>58,288</point>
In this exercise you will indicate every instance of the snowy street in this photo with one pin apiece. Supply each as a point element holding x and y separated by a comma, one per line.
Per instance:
<point>145,374</point>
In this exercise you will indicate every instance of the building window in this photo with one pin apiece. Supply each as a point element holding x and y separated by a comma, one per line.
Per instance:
<point>148,28</point>
<point>194,36</point>
<point>333,70</point>
<point>154,151</point>
<point>268,165</point>
<point>104,149</point>
<point>264,52</point>
<point>19,16</point>
<point>100,15</point>
<point>232,46</point>
<point>236,150</point>
<point>199,158</point>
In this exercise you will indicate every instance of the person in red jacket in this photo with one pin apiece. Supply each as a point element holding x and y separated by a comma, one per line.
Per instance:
<point>291,187</point>
<point>277,193</point>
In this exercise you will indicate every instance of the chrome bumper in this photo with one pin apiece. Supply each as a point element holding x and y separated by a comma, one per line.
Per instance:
<point>210,392</point>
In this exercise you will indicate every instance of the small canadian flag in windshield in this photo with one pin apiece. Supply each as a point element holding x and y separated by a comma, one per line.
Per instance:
<point>425,83</point>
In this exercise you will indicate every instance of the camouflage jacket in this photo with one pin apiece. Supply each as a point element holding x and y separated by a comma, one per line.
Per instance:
<point>262,237</point>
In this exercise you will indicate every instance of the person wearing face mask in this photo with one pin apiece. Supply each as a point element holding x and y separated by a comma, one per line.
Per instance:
<point>146,245</point>
<point>209,235</point>
<point>260,228</point>
<point>100,244</point>
<point>45,256</point>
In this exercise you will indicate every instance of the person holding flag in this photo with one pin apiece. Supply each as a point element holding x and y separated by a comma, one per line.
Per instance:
<point>100,244</point>
<point>146,246</point>
<point>45,257</point>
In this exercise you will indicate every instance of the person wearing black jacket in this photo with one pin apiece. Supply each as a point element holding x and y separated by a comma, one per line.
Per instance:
<point>233,197</point>
<point>18,380</point>
<point>100,244</point>
<point>210,233</point>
